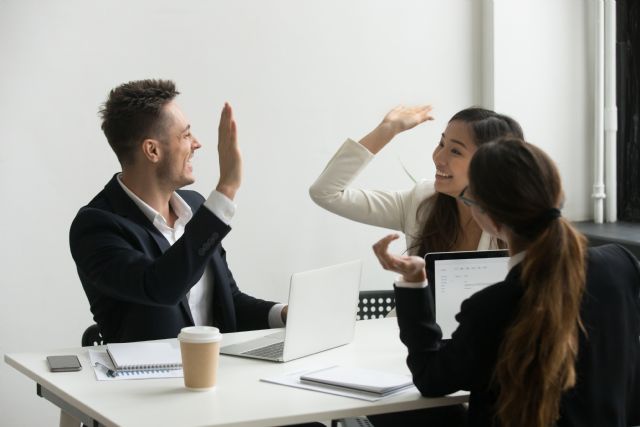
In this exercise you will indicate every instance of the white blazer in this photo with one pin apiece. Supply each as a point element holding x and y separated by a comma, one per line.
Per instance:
<point>396,210</point>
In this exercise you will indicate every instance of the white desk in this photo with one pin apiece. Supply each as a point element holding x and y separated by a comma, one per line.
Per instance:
<point>239,399</point>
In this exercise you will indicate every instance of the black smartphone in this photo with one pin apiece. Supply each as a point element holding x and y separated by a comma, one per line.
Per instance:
<point>67,363</point>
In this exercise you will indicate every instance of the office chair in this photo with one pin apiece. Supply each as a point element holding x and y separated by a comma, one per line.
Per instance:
<point>375,304</point>
<point>352,422</point>
<point>92,336</point>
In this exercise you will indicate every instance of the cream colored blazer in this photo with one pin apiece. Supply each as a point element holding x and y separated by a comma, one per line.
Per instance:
<point>395,210</point>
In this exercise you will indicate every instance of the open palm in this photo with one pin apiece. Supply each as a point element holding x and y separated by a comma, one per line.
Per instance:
<point>403,118</point>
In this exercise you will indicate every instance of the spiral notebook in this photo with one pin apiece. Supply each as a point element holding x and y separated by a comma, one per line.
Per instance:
<point>145,356</point>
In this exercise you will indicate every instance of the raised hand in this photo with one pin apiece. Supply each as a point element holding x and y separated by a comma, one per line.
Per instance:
<point>397,120</point>
<point>229,154</point>
<point>404,118</point>
<point>410,267</point>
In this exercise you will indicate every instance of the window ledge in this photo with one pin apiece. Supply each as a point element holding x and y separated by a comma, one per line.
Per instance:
<point>626,234</point>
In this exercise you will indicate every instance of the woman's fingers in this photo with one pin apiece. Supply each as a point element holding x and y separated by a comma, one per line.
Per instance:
<point>410,267</point>
<point>381,250</point>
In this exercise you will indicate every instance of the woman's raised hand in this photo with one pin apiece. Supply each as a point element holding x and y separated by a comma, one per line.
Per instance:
<point>404,118</point>
<point>397,120</point>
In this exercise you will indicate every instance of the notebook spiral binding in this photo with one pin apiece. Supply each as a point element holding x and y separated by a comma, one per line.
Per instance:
<point>150,368</point>
<point>133,373</point>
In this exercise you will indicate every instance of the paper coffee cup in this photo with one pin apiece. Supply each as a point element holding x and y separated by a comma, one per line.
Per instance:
<point>200,349</point>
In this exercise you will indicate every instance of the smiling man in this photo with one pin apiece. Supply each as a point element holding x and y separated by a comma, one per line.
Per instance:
<point>148,254</point>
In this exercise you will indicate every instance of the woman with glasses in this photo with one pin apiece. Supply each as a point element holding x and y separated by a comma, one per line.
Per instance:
<point>555,343</point>
<point>429,214</point>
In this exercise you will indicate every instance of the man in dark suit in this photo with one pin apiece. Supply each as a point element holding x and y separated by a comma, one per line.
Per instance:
<point>149,255</point>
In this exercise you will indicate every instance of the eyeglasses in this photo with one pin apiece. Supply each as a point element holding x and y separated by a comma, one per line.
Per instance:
<point>467,201</point>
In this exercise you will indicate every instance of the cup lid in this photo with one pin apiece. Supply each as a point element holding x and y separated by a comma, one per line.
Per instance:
<point>197,334</point>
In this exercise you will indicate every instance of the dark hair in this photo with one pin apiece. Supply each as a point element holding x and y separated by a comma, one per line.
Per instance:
<point>133,112</point>
<point>518,186</point>
<point>441,227</point>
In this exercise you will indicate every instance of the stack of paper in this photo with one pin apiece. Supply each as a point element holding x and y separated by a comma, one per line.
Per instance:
<point>367,380</point>
<point>363,379</point>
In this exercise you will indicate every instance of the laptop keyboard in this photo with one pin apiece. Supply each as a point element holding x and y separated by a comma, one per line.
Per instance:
<point>272,351</point>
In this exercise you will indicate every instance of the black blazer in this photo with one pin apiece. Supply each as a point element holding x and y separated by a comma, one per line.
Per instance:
<point>137,283</point>
<point>607,391</point>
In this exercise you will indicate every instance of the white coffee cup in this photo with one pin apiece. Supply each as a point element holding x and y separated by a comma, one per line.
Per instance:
<point>200,349</point>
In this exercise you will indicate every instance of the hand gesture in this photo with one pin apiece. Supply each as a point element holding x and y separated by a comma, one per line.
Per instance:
<point>404,118</point>
<point>410,267</point>
<point>229,154</point>
<point>397,120</point>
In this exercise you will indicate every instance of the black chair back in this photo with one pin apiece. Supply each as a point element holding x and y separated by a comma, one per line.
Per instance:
<point>375,304</point>
<point>92,336</point>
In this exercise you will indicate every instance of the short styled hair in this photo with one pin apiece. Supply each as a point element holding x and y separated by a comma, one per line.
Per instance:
<point>133,112</point>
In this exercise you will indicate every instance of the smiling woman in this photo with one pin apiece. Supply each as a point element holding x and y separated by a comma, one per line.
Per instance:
<point>430,215</point>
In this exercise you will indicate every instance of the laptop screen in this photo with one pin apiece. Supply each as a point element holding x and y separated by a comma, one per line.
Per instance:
<point>455,276</point>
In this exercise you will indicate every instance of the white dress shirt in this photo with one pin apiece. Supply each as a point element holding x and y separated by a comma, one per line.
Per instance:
<point>200,296</point>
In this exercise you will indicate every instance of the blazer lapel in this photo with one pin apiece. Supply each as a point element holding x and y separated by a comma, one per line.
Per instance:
<point>125,207</point>
<point>122,205</point>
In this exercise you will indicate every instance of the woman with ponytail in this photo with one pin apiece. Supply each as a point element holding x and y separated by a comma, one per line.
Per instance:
<point>558,341</point>
<point>429,214</point>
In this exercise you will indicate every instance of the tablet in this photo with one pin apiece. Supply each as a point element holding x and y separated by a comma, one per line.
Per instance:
<point>455,276</point>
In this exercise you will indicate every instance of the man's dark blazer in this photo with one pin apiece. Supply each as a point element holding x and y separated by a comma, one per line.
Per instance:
<point>607,391</point>
<point>137,283</point>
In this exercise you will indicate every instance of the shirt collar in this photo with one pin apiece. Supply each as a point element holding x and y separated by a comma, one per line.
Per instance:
<point>180,207</point>
<point>516,259</point>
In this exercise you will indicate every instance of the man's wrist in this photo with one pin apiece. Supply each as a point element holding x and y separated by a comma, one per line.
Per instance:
<point>275,316</point>
<point>221,206</point>
<point>228,190</point>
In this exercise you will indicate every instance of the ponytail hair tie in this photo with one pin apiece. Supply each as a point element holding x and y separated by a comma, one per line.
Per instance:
<point>545,219</point>
<point>550,215</point>
<point>536,226</point>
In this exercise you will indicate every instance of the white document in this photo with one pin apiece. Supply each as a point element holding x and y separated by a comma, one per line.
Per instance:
<point>292,379</point>
<point>457,280</point>
<point>369,380</point>
<point>101,364</point>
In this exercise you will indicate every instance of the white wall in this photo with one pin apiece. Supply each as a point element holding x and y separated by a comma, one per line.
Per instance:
<point>544,74</point>
<point>301,75</point>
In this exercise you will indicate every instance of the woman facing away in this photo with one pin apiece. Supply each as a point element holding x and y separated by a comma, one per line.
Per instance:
<point>428,214</point>
<point>555,343</point>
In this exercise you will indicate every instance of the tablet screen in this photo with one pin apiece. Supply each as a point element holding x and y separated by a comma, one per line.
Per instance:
<point>455,276</point>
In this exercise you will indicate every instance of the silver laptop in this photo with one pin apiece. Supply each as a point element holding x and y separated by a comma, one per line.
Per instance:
<point>322,315</point>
